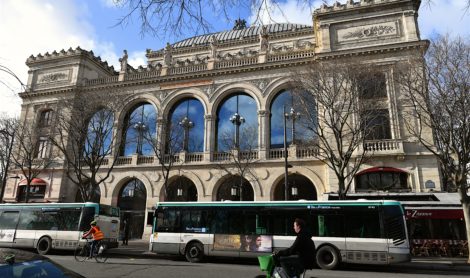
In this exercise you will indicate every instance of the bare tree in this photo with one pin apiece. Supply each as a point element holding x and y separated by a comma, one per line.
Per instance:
<point>437,89</point>
<point>163,17</point>
<point>159,18</point>
<point>337,103</point>
<point>239,155</point>
<point>8,127</point>
<point>85,133</point>
<point>166,148</point>
<point>31,153</point>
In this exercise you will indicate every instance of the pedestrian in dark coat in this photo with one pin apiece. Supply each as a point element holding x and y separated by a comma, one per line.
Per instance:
<point>125,239</point>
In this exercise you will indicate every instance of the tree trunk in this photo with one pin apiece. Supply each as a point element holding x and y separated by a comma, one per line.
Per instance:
<point>341,190</point>
<point>466,214</point>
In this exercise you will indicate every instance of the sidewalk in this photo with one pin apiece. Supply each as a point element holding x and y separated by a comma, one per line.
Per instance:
<point>135,248</point>
<point>140,248</point>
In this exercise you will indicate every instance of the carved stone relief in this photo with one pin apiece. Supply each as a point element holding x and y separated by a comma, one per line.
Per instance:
<point>370,31</point>
<point>52,77</point>
<point>162,96</point>
<point>260,83</point>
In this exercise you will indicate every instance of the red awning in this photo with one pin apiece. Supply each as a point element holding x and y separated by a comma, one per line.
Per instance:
<point>434,213</point>
<point>35,181</point>
<point>380,169</point>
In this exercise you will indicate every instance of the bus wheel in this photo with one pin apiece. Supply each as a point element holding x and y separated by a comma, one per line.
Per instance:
<point>328,257</point>
<point>44,245</point>
<point>194,252</point>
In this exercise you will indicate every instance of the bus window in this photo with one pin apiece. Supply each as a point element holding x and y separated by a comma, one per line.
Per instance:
<point>109,210</point>
<point>282,220</point>
<point>330,225</point>
<point>249,221</point>
<point>27,220</point>
<point>9,219</point>
<point>228,221</point>
<point>194,221</point>
<point>68,219</point>
<point>88,215</point>
<point>363,225</point>
<point>168,221</point>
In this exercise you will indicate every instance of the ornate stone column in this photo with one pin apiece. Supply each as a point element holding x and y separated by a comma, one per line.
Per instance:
<point>209,136</point>
<point>263,133</point>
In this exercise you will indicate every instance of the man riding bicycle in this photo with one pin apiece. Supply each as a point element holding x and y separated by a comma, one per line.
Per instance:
<point>97,235</point>
<point>301,255</point>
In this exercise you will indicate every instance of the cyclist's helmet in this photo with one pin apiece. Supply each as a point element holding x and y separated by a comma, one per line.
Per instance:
<point>93,223</point>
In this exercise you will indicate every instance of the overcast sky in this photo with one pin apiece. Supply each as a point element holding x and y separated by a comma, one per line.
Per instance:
<point>39,26</point>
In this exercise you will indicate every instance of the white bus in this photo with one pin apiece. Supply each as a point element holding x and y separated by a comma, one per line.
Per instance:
<point>366,232</point>
<point>49,226</point>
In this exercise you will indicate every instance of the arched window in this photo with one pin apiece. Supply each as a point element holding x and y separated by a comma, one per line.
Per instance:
<point>235,188</point>
<point>301,120</point>
<point>187,126</point>
<point>45,118</point>
<point>382,178</point>
<point>140,128</point>
<point>100,133</point>
<point>182,190</point>
<point>237,118</point>
<point>298,187</point>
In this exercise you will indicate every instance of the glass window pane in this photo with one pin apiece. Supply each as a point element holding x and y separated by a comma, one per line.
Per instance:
<point>304,124</point>
<point>244,106</point>
<point>9,219</point>
<point>141,130</point>
<point>187,117</point>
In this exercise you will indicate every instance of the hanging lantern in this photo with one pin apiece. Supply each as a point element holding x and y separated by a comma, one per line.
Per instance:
<point>294,190</point>
<point>234,191</point>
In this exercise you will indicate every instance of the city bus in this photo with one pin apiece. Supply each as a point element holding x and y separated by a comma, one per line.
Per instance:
<point>48,226</point>
<point>365,232</point>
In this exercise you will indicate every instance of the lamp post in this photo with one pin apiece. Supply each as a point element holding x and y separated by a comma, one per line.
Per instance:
<point>293,116</point>
<point>186,124</point>
<point>238,120</point>
<point>140,127</point>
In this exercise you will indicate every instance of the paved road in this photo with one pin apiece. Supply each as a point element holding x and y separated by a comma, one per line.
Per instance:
<point>172,267</point>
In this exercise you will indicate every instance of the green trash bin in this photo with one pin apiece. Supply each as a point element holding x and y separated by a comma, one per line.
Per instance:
<point>266,263</point>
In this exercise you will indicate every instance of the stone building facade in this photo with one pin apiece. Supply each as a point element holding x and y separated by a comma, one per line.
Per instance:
<point>245,71</point>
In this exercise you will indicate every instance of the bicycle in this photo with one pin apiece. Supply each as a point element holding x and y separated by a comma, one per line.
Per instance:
<point>83,252</point>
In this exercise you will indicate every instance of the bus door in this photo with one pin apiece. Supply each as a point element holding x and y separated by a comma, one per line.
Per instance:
<point>328,228</point>
<point>365,242</point>
<point>226,229</point>
<point>8,223</point>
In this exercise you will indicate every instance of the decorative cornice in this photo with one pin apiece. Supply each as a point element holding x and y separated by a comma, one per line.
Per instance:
<point>67,54</point>
<point>247,68</point>
<point>350,4</point>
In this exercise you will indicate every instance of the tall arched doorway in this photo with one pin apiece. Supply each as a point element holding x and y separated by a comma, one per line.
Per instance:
<point>132,202</point>
<point>299,187</point>
<point>230,190</point>
<point>182,190</point>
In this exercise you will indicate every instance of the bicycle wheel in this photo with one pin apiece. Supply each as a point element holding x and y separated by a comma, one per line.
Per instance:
<point>82,252</point>
<point>101,255</point>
